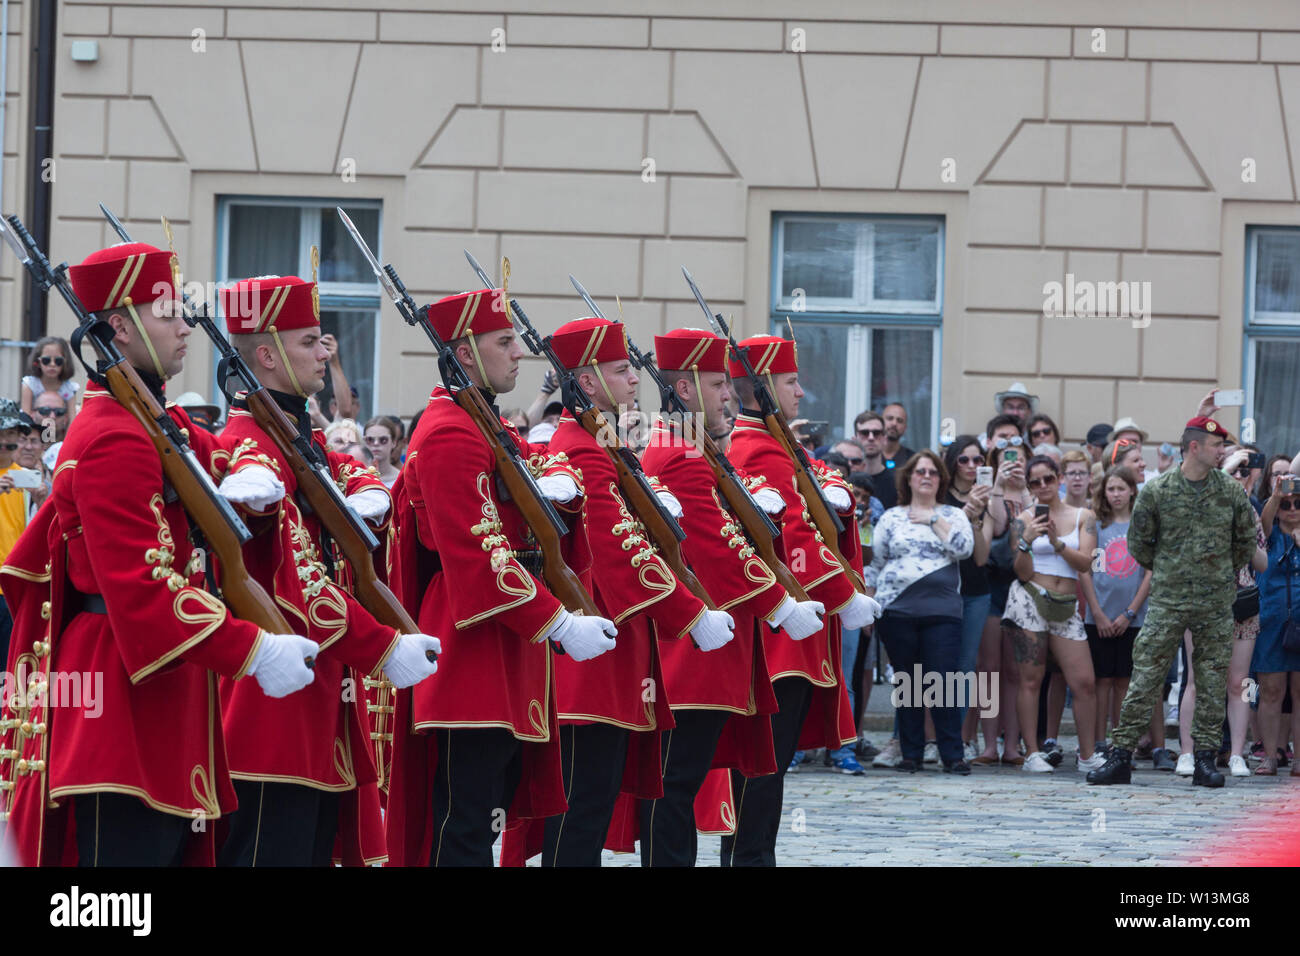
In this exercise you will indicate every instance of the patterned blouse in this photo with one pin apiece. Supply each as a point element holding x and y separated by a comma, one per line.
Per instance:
<point>904,552</point>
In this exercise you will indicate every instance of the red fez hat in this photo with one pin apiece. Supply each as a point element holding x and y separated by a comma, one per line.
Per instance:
<point>469,313</point>
<point>768,354</point>
<point>270,304</point>
<point>1203,423</point>
<point>685,349</point>
<point>130,273</point>
<point>588,341</point>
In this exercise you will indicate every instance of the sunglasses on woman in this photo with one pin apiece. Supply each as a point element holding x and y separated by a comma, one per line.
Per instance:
<point>1042,482</point>
<point>1040,432</point>
<point>1288,505</point>
<point>1013,442</point>
<point>925,473</point>
<point>970,460</point>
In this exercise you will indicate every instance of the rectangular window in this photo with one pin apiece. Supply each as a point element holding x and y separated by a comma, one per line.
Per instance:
<point>1272,329</point>
<point>864,296</point>
<point>274,236</point>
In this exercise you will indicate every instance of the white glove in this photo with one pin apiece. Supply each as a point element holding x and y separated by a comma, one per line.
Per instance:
<point>669,501</point>
<point>280,664</point>
<point>861,611</point>
<point>584,637</point>
<point>770,500</point>
<point>408,663</point>
<point>840,499</point>
<point>1235,460</point>
<point>559,488</point>
<point>371,504</point>
<point>713,630</point>
<point>799,619</point>
<point>254,486</point>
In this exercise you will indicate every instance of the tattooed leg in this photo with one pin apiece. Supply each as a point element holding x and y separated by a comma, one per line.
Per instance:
<point>1030,650</point>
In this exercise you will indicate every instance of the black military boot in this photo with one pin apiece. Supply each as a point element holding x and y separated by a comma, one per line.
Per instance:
<point>1118,768</point>
<point>1205,774</point>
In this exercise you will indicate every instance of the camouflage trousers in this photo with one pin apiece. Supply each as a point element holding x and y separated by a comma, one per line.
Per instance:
<point>1154,650</point>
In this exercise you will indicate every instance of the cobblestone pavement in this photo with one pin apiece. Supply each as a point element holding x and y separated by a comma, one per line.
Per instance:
<point>1004,816</point>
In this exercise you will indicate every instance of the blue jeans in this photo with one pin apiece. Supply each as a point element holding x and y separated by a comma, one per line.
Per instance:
<point>975,609</point>
<point>849,639</point>
<point>935,644</point>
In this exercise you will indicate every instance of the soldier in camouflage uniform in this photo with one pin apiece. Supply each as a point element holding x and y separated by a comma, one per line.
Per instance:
<point>1193,527</point>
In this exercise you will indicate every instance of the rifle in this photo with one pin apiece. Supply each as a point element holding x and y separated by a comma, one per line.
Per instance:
<point>513,473</point>
<point>309,465</point>
<point>758,527</point>
<point>189,481</point>
<point>661,526</point>
<point>824,517</point>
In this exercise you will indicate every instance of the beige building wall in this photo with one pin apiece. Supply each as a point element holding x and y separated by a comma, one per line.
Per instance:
<point>1047,154</point>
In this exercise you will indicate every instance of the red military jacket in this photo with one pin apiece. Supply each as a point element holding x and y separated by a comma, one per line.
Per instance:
<point>633,586</point>
<point>152,728</point>
<point>318,737</point>
<point>456,568</point>
<point>816,658</point>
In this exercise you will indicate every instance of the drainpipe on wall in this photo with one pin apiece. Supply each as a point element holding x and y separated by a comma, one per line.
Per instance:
<point>41,148</point>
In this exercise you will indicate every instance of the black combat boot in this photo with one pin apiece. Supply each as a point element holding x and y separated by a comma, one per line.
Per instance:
<point>1118,767</point>
<point>1205,774</point>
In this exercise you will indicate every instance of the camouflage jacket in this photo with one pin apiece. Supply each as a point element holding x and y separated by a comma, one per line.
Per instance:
<point>1192,540</point>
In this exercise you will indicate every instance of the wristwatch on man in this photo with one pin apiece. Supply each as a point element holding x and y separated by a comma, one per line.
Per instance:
<point>933,518</point>
<point>1023,545</point>
<point>1130,614</point>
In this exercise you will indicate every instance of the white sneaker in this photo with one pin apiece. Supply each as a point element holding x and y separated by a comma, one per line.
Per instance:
<point>1237,766</point>
<point>931,753</point>
<point>968,752</point>
<point>1186,765</point>
<point>1037,763</point>
<point>1092,763</point>
<point>891,756</point>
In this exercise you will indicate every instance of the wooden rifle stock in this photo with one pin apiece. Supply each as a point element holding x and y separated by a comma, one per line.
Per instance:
<point>371,592</point>
<point>644,505</point>
<point>511,470</point>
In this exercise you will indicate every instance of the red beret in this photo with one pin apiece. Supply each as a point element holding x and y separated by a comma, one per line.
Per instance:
<point>684,349</point>
<point>767,354</point>
<point>1203,423</point>
<point>130,272</point>
<point>469,313</point>
<point>269,303</point>
<point>588,341</point>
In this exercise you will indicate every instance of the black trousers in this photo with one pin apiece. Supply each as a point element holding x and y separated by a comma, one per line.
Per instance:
<point>593,756</point>
<point>668,835</point>
<point>280,824</point>
<point>478,771</point>
<point>758,799</point>
<point>114,829</point>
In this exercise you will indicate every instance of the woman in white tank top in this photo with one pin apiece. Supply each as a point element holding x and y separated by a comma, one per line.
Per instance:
<point>1042,608</point>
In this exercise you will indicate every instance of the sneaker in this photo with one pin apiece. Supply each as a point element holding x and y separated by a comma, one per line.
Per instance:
<point>849,764</point>
<point>863,748</point>
<point>1186,765</point>
<point>1095,762</point>
<point>1257,750</point>
<point>1237,766</point>
<point>1162,759</point>
<point>794,762</point>
<point>891,756</point>
<point>907,766</point>
<point>1054,752</point>
<point>1037,763</point>
<point>932,752</point>
<point>969,752</point>
<point>961,767</point>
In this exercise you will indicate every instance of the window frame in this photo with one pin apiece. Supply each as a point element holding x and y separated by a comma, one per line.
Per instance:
<point>334,296</point>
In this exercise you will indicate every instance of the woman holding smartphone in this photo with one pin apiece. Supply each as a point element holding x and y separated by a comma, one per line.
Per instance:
<point>1054,544</point>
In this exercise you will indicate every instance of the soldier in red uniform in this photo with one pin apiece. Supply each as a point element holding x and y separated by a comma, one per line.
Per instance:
<point>806,675</point>
<point>107,583</point>
<point>612,709</point>
<point>482,739</point>
<point>721,705</point>
<point>297,786</point>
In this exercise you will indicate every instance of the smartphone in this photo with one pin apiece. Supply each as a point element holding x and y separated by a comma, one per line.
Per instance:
<point>1229,396</point>
<point>1255,460</point>
<point>1011,454</point>
<point>25,478</point>
<point>1288,486</point>
<point>984,475</point>
<point>1041,510</point>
